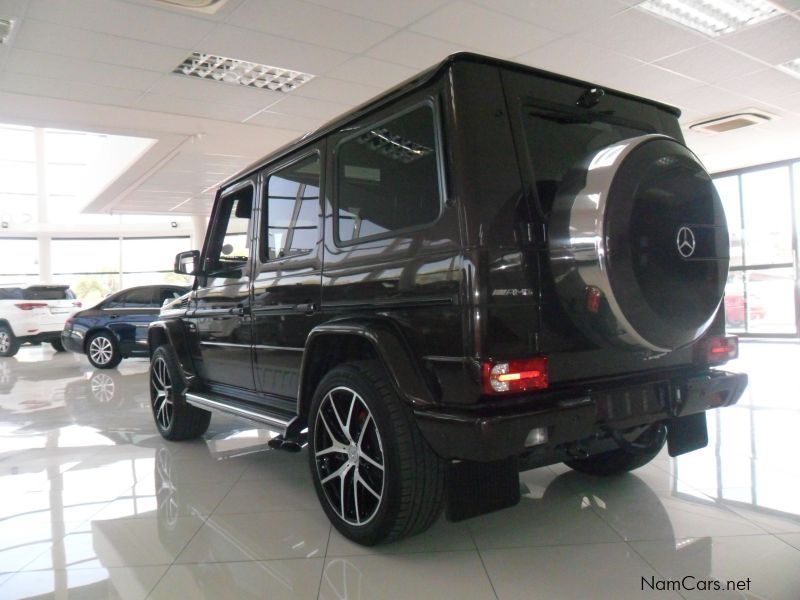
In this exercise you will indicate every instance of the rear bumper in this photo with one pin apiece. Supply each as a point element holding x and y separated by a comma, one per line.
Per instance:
<point>72,341</point>
<point>497,433</point>
<point>42,336</point>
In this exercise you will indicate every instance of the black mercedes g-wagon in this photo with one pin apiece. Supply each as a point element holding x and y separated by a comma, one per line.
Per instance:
<point>487,269</point>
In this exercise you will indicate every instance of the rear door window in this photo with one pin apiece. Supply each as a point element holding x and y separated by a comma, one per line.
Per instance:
<point>141,298</point>
<point>388,178</point>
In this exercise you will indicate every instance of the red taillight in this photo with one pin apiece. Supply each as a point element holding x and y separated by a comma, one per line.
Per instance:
<point>716,350</point>
<point>514,375</point>
<point>77,303</point>
<point>593,298</point>
<point>30,305</point>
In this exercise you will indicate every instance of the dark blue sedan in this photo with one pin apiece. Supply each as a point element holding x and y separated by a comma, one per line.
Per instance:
<point>117,327</point>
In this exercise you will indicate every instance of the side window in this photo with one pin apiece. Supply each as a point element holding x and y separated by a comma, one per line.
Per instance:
<point>141,298</point>
<point>292,210</point>
<point>387,178</point>
<point>115,302</point>
<point>230,244</point>
<point>168,295</point>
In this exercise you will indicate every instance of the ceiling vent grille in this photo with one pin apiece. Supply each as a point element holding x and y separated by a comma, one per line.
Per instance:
<point>204,6</point>
<point>241,72</point>
<point>722,124</point>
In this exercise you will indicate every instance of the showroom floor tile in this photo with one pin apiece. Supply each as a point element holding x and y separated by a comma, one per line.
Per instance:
<point>95,504</point>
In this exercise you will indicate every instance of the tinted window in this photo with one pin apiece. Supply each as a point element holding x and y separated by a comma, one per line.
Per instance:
<point>10,294</point>
<point>560,137</point>
<point>47,293</point>
<point>387,177</point>
<point>292,209</point>
<point>141,298</point>
<point>169,294</point>
<point>230,247</point>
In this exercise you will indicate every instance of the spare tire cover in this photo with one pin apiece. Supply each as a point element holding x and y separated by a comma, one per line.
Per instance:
<point>638,245</point>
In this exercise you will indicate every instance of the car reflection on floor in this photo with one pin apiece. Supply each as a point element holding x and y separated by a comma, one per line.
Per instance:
<point>96,503</point>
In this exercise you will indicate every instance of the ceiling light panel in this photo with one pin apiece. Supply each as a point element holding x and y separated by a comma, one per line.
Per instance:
<point>713,17</point>
<point>241,72</point>
<point>792,67</point>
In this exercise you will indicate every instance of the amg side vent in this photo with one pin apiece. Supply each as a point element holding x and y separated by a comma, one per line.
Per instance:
<point>241,72</point>
<point>738,120</point>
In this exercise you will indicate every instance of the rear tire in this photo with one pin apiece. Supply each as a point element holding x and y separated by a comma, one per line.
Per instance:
<point>102,351</point>
<point>58,346</point>
<point>175,418</point>
<point>376,477</point>
<point>9,344</point>
<point>619,461</point>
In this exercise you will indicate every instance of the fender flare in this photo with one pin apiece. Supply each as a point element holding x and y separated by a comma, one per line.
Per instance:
<point>390,347</point>
<point>173,333</point>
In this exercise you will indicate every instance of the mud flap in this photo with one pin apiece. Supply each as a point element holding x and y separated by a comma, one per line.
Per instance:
<point>475,488</point>
<point>687,434</point>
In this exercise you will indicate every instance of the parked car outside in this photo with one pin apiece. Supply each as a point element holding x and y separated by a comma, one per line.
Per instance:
<point>735,309</point>
<point>487,269</point>
<point>34,313</point>
<point>116,328</point>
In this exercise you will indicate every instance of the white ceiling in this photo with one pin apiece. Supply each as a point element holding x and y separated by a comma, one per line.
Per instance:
<point>105,65</point>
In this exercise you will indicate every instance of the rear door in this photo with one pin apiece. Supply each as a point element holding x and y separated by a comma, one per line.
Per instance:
<point>131,317</point>
<point>286,288</point>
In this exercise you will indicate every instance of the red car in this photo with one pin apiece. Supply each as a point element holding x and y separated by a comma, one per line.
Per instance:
<point>734,309</point>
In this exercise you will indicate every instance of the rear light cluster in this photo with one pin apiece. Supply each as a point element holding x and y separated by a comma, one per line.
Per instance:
<point>514,375</point>
<point>30,305</point>
<point>77,303</point>
<point>717,350</point>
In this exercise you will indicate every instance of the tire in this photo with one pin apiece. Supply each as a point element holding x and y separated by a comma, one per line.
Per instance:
<point>619,461</point>
<point>377,478</point>
<point>9,344</point>
<point>58,346</point>
<point>102,351</point>
<point>175,418</point>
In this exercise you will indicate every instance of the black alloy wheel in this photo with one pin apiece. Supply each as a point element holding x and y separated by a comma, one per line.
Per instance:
<point>375,475</point>
<point>175,418</point>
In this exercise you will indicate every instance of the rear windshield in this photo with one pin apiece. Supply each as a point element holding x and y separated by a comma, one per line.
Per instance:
<point>559,137</point>
<point>42,292</point>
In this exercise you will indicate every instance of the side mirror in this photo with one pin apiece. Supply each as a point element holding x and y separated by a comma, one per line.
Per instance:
<point>186,262</point>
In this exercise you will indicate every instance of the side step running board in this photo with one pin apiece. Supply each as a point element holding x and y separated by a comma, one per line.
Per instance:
<point>277,421</point>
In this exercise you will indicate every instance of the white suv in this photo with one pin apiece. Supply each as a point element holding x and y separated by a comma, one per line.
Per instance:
<point>34,313</point>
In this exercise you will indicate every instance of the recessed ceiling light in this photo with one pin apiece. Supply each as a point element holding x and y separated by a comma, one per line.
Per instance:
<point>723,123</point>
<point>241,72</point>
<point>792,67</point>
<point>6,27</point>
<point>205,6</point>
<point>713,17</point>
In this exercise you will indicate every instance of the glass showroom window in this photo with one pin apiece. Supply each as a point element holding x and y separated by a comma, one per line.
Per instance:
<point>147,261</point>
<point>91,267</point>
<point>18,206</point>
<point>761,295</point>
<point>19,260</point>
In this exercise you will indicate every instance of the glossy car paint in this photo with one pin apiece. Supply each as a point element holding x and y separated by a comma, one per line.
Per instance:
<point>128,326</point>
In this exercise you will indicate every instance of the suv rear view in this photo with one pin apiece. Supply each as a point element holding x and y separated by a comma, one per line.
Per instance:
<point>33,314</point>
<point>487,269</point>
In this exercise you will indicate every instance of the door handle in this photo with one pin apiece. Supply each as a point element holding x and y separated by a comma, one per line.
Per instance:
<point>113,316</point>
<point>240,311</point>
<point>308,307</point>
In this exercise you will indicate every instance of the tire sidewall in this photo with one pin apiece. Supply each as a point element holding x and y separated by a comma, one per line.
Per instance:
<point>352,377</point>
<point>13,346</point>
<point>177,388</point>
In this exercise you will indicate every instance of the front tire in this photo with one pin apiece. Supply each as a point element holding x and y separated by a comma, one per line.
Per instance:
<point>175,418</point>
<point>58,346</point>
<point>102,351</point>
<point>375,475</point>
<point>9,344</point>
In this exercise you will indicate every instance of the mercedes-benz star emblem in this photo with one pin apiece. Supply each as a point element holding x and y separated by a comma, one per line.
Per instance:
<point>686,242</point>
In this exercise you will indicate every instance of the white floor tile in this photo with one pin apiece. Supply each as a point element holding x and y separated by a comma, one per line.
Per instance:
<point>772,567</point>
<point>442,536</point>
<point>260,495</point>
<point>292,579</point>
<point>262,536</point>
<point>124,583</point>
<point>596,571</point>
<point>421,576</point>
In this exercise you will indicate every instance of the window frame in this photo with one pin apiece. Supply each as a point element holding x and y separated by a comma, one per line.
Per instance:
<point>263,219</point>
<point>218,230</point>
<point>429,102</point>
